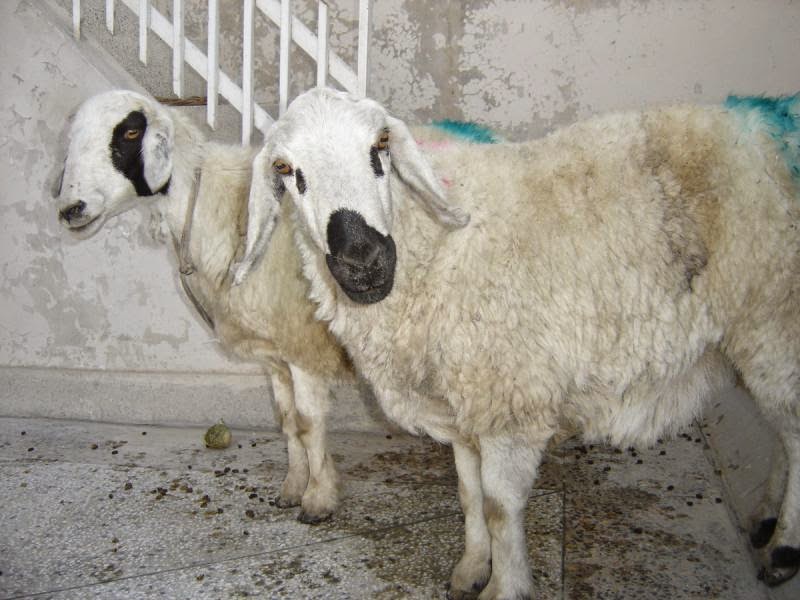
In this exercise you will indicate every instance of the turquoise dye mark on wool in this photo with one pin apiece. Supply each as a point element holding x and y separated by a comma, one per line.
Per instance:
<point>779,117</point>
<point>471,132</point>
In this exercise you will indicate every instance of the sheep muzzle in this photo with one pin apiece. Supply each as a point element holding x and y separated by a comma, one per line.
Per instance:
<point>361,259</point>
<point>75,218</point>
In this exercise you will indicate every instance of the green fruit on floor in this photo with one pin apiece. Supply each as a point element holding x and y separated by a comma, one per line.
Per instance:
<point>218,436</point>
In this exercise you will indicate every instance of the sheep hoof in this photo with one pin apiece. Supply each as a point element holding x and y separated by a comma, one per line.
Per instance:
<point>469,578</point>
<point>460,595</point>
<point>785,562</point>
<point>464,594</point>
<point>286,502</point>
<point>313,519</point>
<point>760,537</point>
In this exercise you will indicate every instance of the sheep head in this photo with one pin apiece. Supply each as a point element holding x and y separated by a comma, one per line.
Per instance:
<point>332,155</point>
<point>120,150</point>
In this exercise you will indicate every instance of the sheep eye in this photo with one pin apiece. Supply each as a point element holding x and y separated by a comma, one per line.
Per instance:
<point>383,140</point>
<point>132,134</point>
<point>281,168</point>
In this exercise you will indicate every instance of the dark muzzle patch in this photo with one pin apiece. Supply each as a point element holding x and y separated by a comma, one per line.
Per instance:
<point>361,259</point>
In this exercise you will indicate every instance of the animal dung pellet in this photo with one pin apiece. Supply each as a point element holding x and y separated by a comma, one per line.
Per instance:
<point>218,436</point>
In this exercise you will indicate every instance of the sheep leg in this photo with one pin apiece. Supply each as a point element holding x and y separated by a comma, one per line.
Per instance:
<point>508,469</point>
<point>781,556</point>
<point>472,571</point>
<point>766,349</point>
<point>296,479</point>
<point>764,517</point>
<point>311,399</point>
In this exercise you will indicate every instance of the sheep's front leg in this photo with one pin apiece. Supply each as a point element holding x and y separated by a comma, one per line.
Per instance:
<point>311,399</point>
<point>508,469</point>
<point>472,571</point>
<point>294,485</point>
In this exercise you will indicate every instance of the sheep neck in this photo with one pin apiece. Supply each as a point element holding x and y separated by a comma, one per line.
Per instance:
<point>187,165</point>
<point>355,325</point>
<point>186,264</point>
<point>178,208</point>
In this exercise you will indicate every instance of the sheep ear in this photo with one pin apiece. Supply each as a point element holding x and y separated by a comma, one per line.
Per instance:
<point>414,169</point>
<point>157,149</point>
<point>262,213</point>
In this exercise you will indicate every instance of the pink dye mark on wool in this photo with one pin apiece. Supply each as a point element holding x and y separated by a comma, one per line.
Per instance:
<point>434,145</point>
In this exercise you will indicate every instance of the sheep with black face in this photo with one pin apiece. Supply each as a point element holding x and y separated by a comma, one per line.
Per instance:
<point>610,275</point>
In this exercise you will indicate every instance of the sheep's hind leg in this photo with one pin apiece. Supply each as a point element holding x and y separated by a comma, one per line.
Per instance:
<point>767,353</point>
<point>322,493</point>
<point>765,516</point>
<point>508,469</point>
<point>296,481</point>
<point>781,556</point>
<point>472,572</point>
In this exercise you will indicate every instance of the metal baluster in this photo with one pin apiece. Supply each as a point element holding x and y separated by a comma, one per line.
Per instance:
<point>247,70</point>
<point>322,45</point>
<point>213,63</point>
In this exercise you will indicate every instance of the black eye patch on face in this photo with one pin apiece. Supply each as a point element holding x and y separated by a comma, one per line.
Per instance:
<point>126,152</point>
<point>301,181</point>
<point>375,161</point>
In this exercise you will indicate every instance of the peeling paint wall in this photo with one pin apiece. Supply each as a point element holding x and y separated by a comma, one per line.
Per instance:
<point>525,67</point>
<point>110,302</point>
<point>520,67</point>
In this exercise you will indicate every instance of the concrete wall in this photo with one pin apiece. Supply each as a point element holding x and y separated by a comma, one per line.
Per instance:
<point>97,328</point>
<point>527,66</point>
<point>521,66</point>
<point>110,305</point>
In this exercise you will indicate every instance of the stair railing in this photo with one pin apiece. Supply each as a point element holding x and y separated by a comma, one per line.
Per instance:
<point>329,66</point>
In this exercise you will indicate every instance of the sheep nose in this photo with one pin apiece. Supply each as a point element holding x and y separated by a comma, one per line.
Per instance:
<point>352,241</point>
<point>360,254</point>
<point>74,211</point>
<point>361,259</point>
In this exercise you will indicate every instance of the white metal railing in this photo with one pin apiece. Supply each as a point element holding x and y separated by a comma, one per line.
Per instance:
<point>206,64</point>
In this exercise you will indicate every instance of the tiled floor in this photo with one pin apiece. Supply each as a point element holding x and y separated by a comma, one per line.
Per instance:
<point>107,511</point>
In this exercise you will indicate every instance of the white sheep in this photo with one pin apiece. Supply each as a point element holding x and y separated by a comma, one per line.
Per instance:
<point>607,276</point>
<point>125,148</point>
